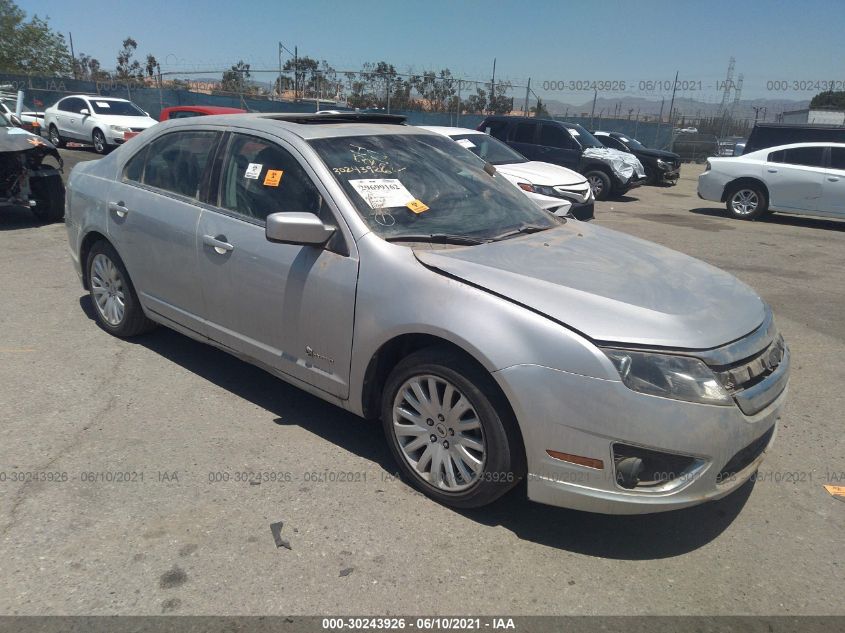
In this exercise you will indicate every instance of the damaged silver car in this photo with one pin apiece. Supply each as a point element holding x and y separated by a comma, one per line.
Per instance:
<point>384,269</point>
<point>30,173</point>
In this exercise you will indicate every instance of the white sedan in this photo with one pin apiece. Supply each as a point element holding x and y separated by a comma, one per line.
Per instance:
<point>556,189</point>
<point>101,121</point>
<point>804,178</point>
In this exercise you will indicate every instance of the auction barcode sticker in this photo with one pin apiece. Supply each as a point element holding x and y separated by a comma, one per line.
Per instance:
<point>382,193</point>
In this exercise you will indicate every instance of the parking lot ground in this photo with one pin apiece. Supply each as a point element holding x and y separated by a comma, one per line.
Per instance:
<point>140,498</point>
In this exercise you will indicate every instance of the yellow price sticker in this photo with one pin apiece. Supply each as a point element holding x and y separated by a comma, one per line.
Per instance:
<point>416,206</point>
<point>273,177</point>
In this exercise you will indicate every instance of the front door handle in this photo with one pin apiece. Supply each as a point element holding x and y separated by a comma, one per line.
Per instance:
<point>219,244</point>
<point>833,178</point>
<point>772,171</point>
<point>118,208</point>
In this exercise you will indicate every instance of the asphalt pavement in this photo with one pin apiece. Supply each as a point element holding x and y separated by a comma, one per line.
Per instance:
<point>142,477</point>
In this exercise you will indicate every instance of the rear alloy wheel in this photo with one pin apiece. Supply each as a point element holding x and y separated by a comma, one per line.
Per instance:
<point>450,440</point>
<point>49,195</point>
<point>55,139</point>
<point>100,145</point>
<point>599,183</point>
<point>747,202</point>
<point>115,302</point>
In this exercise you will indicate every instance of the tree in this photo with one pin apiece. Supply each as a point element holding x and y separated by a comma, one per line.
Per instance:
<point>151,66</point>
<point>829,98</point>
<point>128,68</point>
<point>477,103</point>
<point>540,110</point>
<point>30,47</point>
<point>88,68</point>
<point>236,79</point>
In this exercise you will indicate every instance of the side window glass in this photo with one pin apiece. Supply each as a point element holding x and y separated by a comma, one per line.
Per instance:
<point>837,158</point>
<point>260,178</point>
<point>135,167</point>
<point>805,156</point>
<point>777,157</point>
<point>524,133</point>
<point>175,162</point>
<point>555,136</point>
<point>64,105</point>
<point>183,114</point>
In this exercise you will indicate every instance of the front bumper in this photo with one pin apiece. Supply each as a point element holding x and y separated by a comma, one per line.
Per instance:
<point>583,416</point>
<point>669,176</point>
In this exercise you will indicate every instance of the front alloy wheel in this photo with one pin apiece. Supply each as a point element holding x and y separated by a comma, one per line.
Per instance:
<point>450,428</point>
<point>439,433</point>
<point>100,145</point>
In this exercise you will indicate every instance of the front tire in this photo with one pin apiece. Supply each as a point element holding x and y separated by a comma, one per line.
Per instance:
<point>100,144</point>
<point>450,430</point>
<point>747,202</point>
<point>599,183</point>
<point>49,195</point>
<point>116,304</point>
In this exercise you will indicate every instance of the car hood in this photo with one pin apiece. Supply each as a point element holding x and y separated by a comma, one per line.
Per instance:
<point>610,286</point>
<point>127,121</point>
<point>657,153</point>
<point>538,173</point>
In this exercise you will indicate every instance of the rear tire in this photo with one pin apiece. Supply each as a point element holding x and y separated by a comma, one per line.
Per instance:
<point>599,183</point>
<point>450,430</point>
<point>113,296</point>
<point>49,195</point>
<point>55,138</point>
<point>747,201</point>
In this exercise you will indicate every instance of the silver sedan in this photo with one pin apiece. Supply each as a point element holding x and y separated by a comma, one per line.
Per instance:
<point>384,269</point>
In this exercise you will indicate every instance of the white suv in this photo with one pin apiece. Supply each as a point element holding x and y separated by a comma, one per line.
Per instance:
<point>805,178</point>
<point>102,121</point>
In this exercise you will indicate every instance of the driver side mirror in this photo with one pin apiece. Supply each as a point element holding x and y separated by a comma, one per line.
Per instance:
<point>297,228</point>
<point>84,112</point>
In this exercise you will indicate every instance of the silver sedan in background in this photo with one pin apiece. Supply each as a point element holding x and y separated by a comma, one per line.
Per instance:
<point>386,270</point>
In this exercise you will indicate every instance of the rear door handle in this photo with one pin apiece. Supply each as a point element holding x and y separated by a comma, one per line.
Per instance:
<point>833,178</point>
<point>118,208</point>
<point>219,244</point>
<point>772,171</point>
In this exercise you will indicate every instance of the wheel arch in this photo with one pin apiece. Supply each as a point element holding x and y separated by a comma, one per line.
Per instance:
<point>744,180</point>
<point>91,238</point>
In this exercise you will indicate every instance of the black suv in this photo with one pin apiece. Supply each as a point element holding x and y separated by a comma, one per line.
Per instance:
<point>661,167</point>
<point>565,144</point>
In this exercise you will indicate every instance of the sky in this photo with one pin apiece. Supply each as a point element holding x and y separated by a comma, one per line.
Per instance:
<point>776,44</point>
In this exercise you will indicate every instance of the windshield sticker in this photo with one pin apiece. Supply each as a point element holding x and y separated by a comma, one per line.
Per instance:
<point>364,169</point>
<point>416,206</point>
<point>103,104</point>
<point>623,139</point>
<point>273,177</point>
<point>382,193</point>
<point>573,132</point>
<point>465,142</point>
<point>253,171</point>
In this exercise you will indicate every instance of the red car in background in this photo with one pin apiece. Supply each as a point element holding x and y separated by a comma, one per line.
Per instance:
<point>183,112</point>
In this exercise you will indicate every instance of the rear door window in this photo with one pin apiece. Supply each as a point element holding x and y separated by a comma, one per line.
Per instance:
<point>176,162</point>
<point>524,133</point>
<point>837,158</point>
<point>803,156</point>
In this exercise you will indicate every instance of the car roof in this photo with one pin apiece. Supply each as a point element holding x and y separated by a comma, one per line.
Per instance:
<point>448,131</point>
<point>776,148</point>
<point>97,97</point>
<point>308,126</point>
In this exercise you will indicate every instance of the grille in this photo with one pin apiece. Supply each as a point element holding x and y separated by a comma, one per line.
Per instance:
<point>744,457</point>
<point>751,371</point>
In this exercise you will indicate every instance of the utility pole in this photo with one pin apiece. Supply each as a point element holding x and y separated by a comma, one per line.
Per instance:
<point>493,88</point>
<point>672,104</point>
<point>388,93</point>
<point>527,90</point>
<point>593,111</point>
<point>659,121</point>
<point>280,70</point>
<point>458,113</point>
<point>160,96</point>
<point>72,55</point>
<point>296,73</point>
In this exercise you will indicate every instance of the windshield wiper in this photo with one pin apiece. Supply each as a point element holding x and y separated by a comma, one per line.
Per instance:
<point>524,229</point>
<point>437,238</point>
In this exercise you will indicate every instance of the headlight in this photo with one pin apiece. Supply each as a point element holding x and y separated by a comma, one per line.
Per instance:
<point>119,129</point>
<point>668,376</point>
<point>526,186</point>
<point>547,191</point>
<point>663,164</point>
